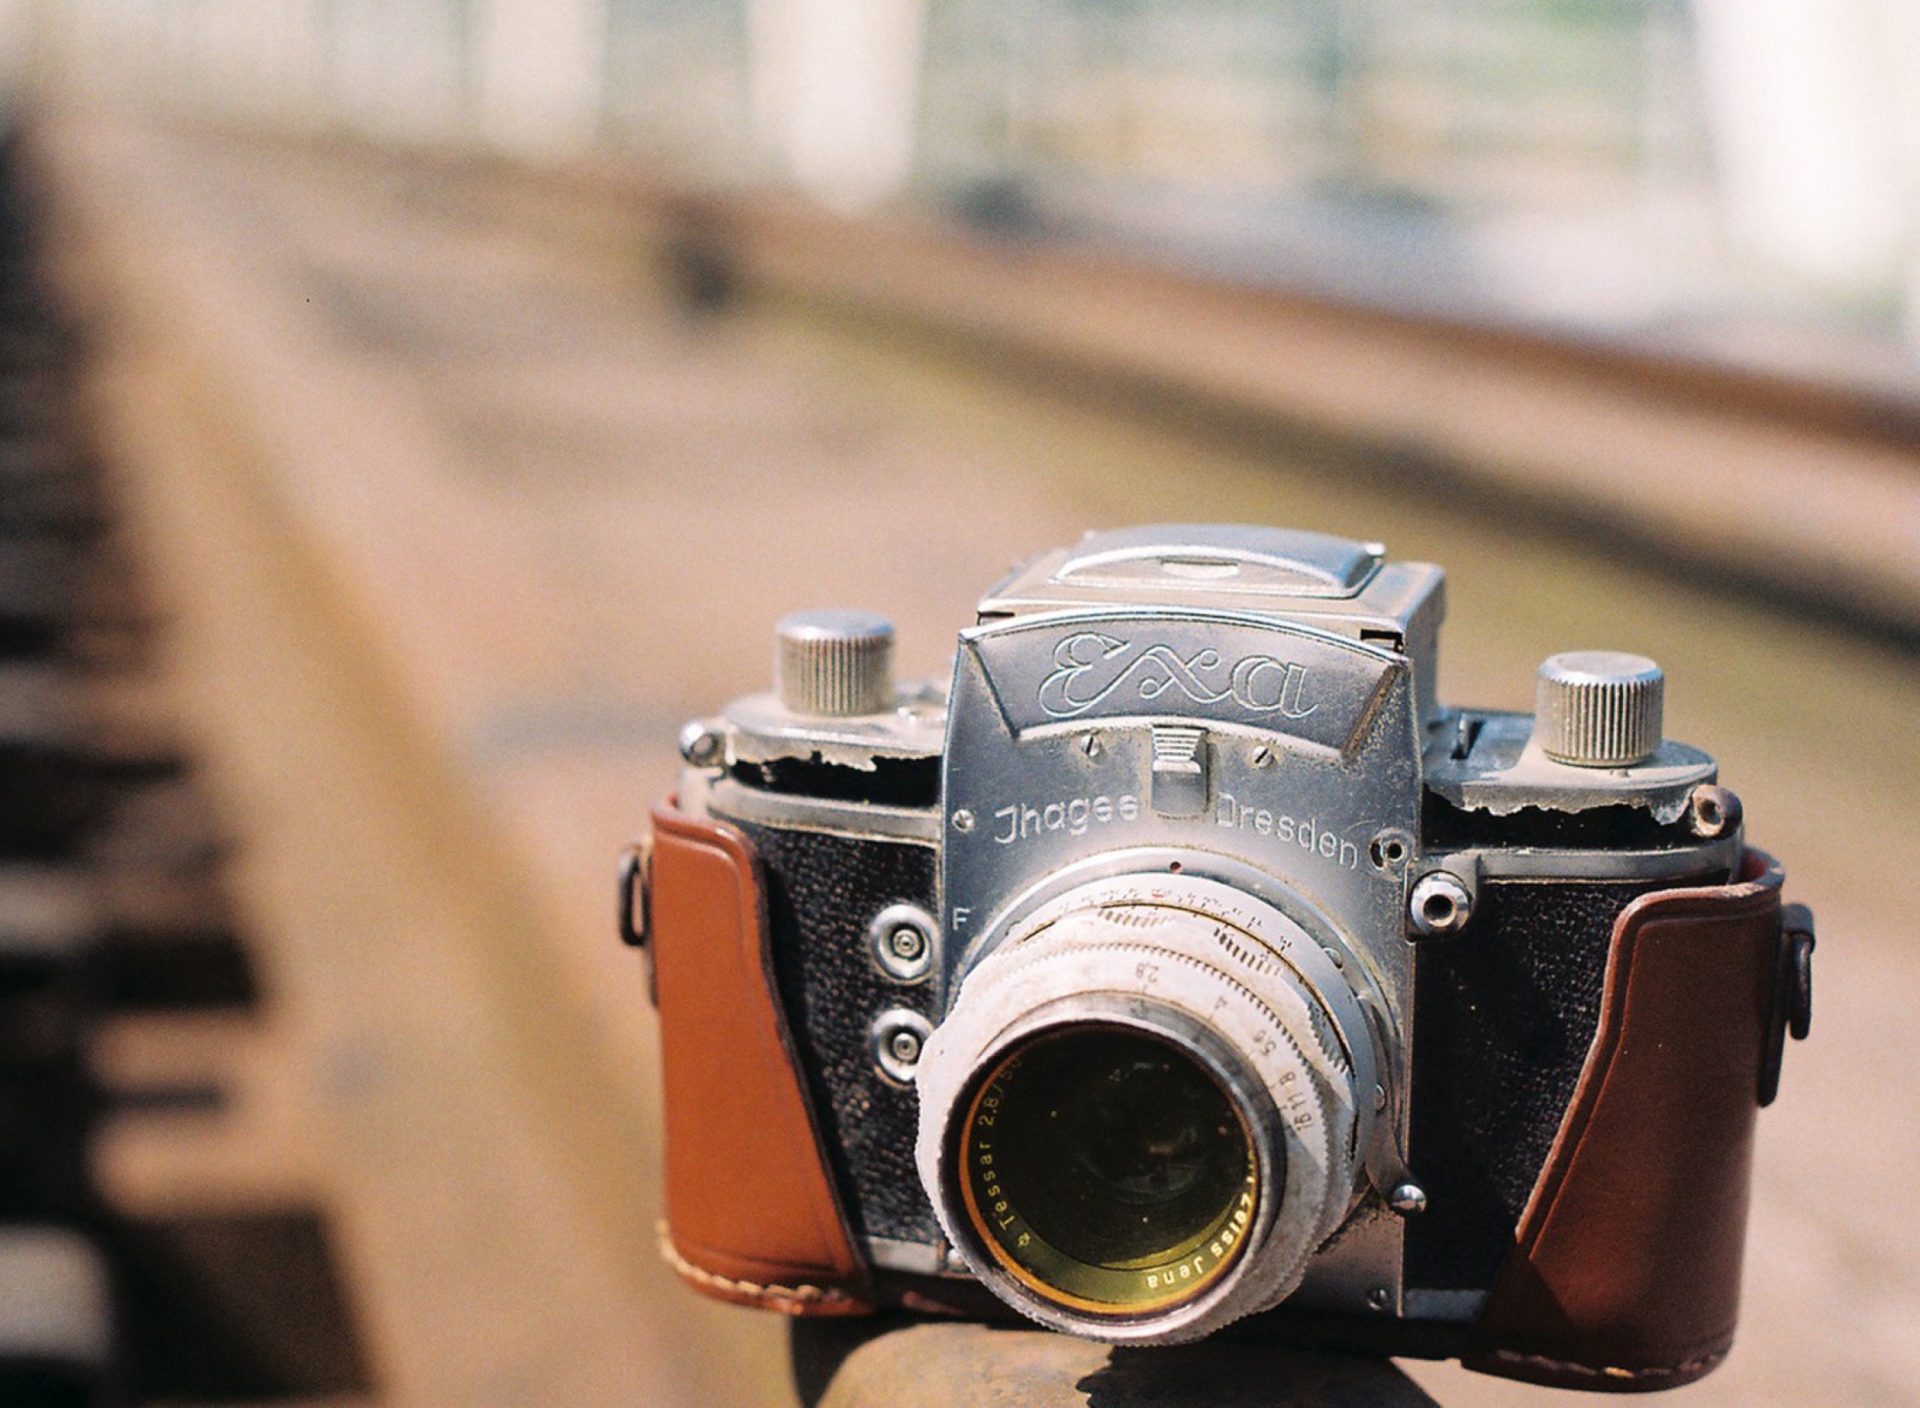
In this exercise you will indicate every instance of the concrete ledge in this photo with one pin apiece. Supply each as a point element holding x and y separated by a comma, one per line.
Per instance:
<point>851,1364</point>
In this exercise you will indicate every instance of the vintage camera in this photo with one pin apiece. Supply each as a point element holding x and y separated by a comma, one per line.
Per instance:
<point>1187,965</point>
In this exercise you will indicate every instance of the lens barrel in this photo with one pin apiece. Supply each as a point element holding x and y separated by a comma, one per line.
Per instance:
<point>1138,1121</point>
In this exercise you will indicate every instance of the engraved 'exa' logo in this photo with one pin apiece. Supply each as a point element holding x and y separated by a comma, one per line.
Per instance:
<point>1092,666</point>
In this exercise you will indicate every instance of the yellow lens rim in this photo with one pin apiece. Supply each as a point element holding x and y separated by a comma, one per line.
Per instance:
<point>1123,1290</point>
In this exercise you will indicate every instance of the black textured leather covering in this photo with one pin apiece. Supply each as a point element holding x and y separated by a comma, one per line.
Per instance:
<point>822,892</point>
<point>1505,1013</point>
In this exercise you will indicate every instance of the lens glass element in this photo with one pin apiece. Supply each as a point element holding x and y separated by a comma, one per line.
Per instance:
<point>1107,1170</point>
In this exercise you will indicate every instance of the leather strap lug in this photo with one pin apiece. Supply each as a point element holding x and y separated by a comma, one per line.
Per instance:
<point>1793,995</point>
<point>634,916</point>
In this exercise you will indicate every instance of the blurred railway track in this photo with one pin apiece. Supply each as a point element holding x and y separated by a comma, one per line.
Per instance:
<point>132,1021</point>
<point>1800,493</point>
<point>461,484</point>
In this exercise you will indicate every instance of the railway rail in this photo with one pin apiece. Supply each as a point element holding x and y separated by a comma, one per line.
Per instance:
<point>130,1006</point>
<point>460,485</point>
<point>1800,492</point>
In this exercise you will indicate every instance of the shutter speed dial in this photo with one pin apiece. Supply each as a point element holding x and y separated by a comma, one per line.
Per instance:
<point>1599,708</point>
<point>834,664</point>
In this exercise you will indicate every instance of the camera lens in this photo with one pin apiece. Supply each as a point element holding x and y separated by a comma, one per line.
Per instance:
<point>1139,1119</point>
<point>1108,1170</point>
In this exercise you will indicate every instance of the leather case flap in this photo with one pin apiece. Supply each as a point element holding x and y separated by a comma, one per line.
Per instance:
<point>752,1214</point>
<point>1626,1270</point>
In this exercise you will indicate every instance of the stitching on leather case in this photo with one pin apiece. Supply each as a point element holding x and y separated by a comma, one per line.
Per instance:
<point>1690,1368</point>
<point>799,1295</point>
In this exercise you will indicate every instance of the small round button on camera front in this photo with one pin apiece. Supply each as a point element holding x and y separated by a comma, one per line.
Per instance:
<point>1599,708</point>
<point>902,939</point>
<point>898,1038</point>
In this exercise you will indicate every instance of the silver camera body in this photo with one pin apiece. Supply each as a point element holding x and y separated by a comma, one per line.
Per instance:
<point>1190,789</point>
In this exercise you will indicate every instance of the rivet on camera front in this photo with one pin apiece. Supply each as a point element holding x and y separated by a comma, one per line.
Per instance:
<point>1090,745</point>
<point>700,744</point>
<point>899,1036</point>
<point>1379,1097</point>
<point>1712,812</point>
<point>1408,1199</point>
<point>1440,905</point>
<point>1379,1298</point>
<point>963,821</point>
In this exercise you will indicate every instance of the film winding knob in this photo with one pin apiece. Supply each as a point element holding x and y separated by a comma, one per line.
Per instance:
<point>1598,708</point>
<point>834,664</point>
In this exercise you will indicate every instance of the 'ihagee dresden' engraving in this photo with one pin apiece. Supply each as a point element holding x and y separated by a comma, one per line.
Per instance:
<point>1026,821</point>
<point>1092,665</point>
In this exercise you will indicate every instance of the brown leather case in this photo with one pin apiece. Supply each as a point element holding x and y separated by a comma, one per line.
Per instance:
<point>1625,1274</point>
<point>752,1215</point>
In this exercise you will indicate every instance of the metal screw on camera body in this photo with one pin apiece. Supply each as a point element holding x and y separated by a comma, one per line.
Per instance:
<point>963,821</point>
<point>899,1036</point>
<point>701,744</point>
<point>1440,905</point>
<point>1090,745</point>
<point>1408,1199</point>
<point>1712,812</point>
<point>1389,849</point>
